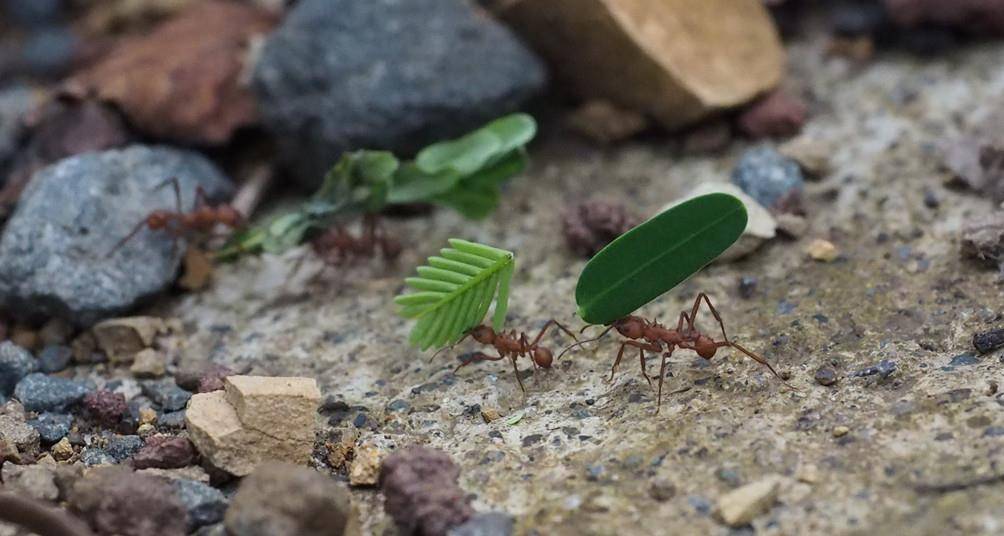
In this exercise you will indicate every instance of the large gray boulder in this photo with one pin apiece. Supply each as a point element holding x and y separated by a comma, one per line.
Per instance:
<point>55,251</point>
<point>386,74</point>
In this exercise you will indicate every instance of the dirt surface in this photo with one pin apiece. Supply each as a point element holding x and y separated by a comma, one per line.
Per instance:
<point>579,455</point>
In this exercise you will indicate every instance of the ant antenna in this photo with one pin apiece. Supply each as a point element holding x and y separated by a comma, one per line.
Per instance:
<point>762,361</point>
<point>580,343</point>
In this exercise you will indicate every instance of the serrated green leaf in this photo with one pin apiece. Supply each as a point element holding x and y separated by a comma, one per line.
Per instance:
<point>455,291</point>
<point>657,255</point>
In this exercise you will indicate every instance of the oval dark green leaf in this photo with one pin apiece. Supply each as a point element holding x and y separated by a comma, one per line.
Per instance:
<point>657,255</point>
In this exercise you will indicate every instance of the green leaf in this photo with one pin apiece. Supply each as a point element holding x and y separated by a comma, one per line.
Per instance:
<point>463,155</point>
<point>412,185</point>
<point>454,292</point>
<point>514,131</point>
<point>657,255</point>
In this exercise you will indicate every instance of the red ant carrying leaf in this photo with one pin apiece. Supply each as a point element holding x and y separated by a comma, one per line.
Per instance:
<point>337,246</point>
<point>660,339</point>
<point>200,220</point>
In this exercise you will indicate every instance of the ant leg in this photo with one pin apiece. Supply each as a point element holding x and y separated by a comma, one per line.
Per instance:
<point>475,357</point>
<point>550,323</point>
<point>756,358</point>
<point>662,376</point>
<point>644,373</point>
<point>450,347</point>
<point>515,371</point>
<point>652,347</point>
<point>697,304</point>
<point>128,237</point>
<point>580,343</point>
<point>683,318</point>
<point>176,186</point>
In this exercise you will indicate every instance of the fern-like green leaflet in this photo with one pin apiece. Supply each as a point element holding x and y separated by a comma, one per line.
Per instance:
<point>454,291</point>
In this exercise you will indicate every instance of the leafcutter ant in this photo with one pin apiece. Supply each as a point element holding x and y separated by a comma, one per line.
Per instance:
<point>651,336</point>
<point>337,245</point>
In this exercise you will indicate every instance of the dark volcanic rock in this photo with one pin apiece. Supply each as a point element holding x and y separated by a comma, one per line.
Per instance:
<point>421,493</point>
<point>122,447</point>
<point>769,177</point>
<point>54,358</point>
<point>54,257</point>
<point>52,426</point>
<point>285,499</point>
<point>166,394</point>
<point>385,74</point>
<point>205,504</point>
<point>118,501</point>
<point>15,364</point>
<point>38,392</point>
<point>105,406</point>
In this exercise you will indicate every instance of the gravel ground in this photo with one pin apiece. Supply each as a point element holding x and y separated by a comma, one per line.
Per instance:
<point>579,455</point>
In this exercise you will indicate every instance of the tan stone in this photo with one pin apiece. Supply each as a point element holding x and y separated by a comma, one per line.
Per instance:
<point>740,506</point>
<point>822,250</point>
<point>676,60</point>
<point>192,472</point>
<point>148,363</point>
<point>62,450</point>
<point>218,434</point>
<point>265,403</point>
<point>122,338</point>
<point>36,481</point>
<point>365,467</point>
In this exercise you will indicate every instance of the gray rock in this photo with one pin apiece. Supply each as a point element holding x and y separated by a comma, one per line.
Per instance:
<point>97,457</point>
<point>52,426</point>
<point>173,420</point>
<point>15,103</point>
<point>388,74</point>
<point>166,394</point>
<point>205,504</point>
<point>768,176</point>
<point>15,364</point>
<point>122,447</point>
<point>54,358</point>
<point>54,253</point>
<point>38,392</point>
<point>486,524</point>
<point>17,433</point>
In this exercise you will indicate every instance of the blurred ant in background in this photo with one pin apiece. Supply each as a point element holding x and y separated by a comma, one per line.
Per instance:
<point>200,220</point>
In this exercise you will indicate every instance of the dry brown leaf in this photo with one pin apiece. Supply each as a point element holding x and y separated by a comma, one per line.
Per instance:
<point>183,81</point>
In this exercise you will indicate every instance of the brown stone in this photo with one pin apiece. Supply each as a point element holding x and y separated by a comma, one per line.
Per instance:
<point>148,363</point>
<point>676,60</point>
<point>182,81</point>
<point>122,338</point>
<point>265,403</point>
<point>603,122</point>
<point>114,500</point>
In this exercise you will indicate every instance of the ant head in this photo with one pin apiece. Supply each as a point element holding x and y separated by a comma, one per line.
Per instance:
<point>705,347</point>
<point>157,220</point>
<point>483,334</point>
<point>631,327</point>
<point>542,357</point>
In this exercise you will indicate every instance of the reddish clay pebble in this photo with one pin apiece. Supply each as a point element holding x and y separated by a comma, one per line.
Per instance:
<point>115,500</point>
<point>777,115</point>
<point>421,493</point>
<point>592,225</point>
<point>164,452</point>
<point>105,406</point>
<point>212,379</point>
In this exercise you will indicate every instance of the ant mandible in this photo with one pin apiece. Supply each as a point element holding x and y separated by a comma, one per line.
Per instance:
<point>658,338</point>
<point>202,218</point>
<point>336,245</point>
<point>511,345</point>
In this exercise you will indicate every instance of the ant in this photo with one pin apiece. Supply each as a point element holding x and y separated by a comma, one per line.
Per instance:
<point>202,218</point>
<point>510,345</point>
<point>658,338</point>
<point>336,245</point>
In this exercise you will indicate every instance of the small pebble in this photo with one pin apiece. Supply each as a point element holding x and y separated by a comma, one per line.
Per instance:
<point>662,489</point>
<point>768,177</point>
<point>95,456</point>
<point>884,369</point>
<point>122,447</point>
<point>15,364</point>
<point>62,450</point>
<point>365,467</point>
<point>54,358</point>
<point>840,431</point>
<point>205,504</point>
<point>105,406</point>
<point>52,426</point>
<point>822,250</point>
<point>174,420</point>
<point>485,524</point>
<point>740,506</point>
<point>826,376</point>
<point>164,452</point>
<point>166,394</point>
<point>38,392</point>
<point>148,363</point>
<point>988,341</point>
<point>747,286</point>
